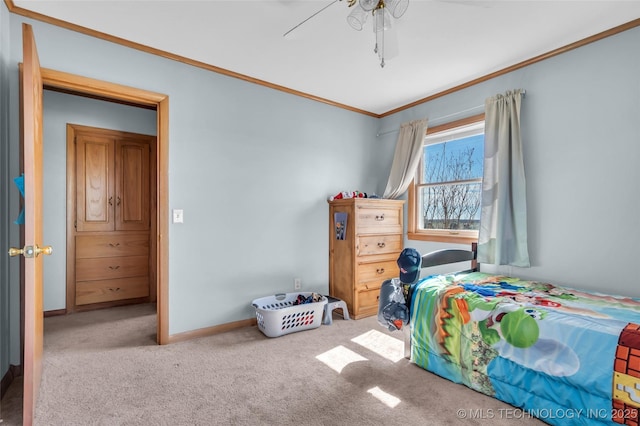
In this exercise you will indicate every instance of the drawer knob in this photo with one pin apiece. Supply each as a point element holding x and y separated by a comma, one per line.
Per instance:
<point>113,268</point>
<point>380,270</point>
<point>115,289</point>
<point>114,245</point>
<point>381,244</point>
<point>380,218</point>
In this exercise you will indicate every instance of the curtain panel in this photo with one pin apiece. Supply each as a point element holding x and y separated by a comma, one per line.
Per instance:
<point>406,157</point>
<point>502,238</point>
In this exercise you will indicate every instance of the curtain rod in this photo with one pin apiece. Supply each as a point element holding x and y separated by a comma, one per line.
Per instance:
<point>523,92</point>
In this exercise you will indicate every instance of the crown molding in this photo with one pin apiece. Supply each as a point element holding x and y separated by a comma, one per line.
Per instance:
<point>147,49</point>
<point>525,63</point>
<point>97,34</point>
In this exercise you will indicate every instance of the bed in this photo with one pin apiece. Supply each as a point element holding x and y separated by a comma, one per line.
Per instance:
<point>560,354</point>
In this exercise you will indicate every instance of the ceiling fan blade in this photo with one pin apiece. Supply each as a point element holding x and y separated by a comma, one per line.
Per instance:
<point>334,1</point>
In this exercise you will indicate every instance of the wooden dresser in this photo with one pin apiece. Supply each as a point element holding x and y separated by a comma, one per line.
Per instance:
<point>112,219</point>
<point>364,250</point>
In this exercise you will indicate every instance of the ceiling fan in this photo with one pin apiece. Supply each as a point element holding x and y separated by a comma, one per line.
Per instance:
<point>372,4</point>
<point>381,10</point>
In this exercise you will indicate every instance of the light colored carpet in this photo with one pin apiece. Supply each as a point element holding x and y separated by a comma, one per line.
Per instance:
<point>104,368</point>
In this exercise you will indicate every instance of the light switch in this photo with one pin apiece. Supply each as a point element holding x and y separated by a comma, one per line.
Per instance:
<point>178,216</point>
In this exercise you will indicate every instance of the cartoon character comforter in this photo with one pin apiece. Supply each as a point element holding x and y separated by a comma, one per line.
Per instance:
<point>559,354</point>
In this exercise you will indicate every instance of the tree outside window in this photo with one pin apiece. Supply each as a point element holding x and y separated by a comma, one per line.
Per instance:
<point>445,197</point>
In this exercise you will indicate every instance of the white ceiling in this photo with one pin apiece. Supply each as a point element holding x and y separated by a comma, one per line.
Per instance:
<point>441,43</point>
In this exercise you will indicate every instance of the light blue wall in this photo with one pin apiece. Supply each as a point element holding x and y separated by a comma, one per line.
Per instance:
<point>581,135</point>
<point>250,166</point>
<point>58,110</point>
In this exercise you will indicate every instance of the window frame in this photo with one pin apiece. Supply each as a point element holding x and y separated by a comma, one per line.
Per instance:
<point>438,235</point>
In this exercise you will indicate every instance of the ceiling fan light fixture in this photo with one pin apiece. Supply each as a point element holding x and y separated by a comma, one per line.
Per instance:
<point>369,5</point>
<point>379,47</point>
<point>381,20</point>
<point>397,7</point>
<point>357,18</point>
<point>382,11</point>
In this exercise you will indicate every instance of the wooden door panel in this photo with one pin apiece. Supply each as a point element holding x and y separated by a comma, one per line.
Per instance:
<point>95,184</point>
<point>132,200</point>
<point>31,100</point>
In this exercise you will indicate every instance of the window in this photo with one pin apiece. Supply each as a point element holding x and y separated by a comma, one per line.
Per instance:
<point>445,195</point>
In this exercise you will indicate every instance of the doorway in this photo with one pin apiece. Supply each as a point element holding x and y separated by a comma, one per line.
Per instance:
<point>34,79</point>
<point>97,89</point>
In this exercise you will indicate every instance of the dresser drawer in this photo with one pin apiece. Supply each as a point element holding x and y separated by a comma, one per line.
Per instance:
<point>378,244</point>
<point>111,267</point>
<point>106,291</point>
<point>377,270</point>
<point>378,219</point>
<point>371,284</point>
<point>91,246</point>
<point>367,302</point>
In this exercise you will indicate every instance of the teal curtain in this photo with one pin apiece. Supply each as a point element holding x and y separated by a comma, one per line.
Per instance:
<point>502,238</point>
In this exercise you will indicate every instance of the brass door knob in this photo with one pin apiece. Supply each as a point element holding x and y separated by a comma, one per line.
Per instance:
<point>31,251</point>
<point>46,250</point>
<point>14,251</point>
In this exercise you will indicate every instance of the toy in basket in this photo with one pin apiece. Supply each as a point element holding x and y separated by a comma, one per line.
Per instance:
<point>289,312</point>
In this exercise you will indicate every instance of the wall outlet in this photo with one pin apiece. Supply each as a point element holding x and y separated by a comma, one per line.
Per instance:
<point>297,284</point>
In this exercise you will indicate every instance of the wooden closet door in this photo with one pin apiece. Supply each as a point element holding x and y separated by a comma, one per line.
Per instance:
<point>95,183</point>
<point>132,181</point>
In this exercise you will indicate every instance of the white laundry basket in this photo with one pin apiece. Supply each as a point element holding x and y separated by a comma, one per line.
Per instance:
<point>277,315</point>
